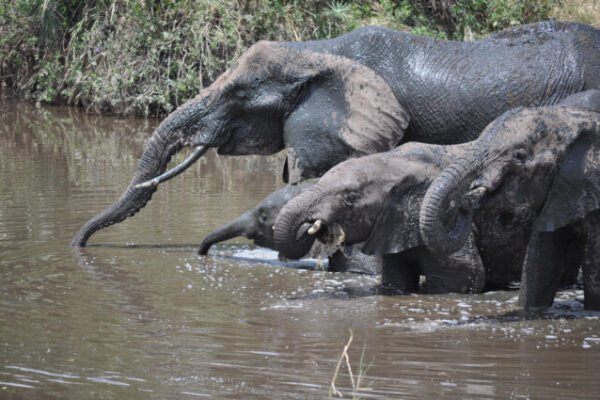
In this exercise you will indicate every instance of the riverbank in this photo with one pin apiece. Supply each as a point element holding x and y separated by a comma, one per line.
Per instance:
<point>145,58</point>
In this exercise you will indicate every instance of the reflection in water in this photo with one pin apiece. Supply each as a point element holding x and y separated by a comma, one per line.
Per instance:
<point>138,315</point>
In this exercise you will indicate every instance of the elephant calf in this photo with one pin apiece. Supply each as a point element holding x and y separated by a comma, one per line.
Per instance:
<point>257,225</point>
<point>537,169</point>
<point>469,216</point>
<point>375,199</point>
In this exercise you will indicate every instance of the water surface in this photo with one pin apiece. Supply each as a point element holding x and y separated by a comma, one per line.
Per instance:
<point>138,315</point>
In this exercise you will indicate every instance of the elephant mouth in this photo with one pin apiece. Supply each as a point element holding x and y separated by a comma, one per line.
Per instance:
<point>256,237</point>
<point>227,148</point>
<point>262,240</point>
<point>330,236</point>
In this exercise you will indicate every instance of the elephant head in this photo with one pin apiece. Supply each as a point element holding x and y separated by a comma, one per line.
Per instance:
<point>533,165</point>
<point>321,108</point>
<point>372,199</point>
<point>257,223</point>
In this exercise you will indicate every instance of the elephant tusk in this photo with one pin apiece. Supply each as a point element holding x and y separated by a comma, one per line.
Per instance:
<point>474,196</point>
<point>150,183</point>
<point>342,238</point>
<point>481,190</point>
<point>176,170</point>
<point>315,227</point>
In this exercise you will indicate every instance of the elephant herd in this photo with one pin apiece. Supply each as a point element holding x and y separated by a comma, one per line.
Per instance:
<point>445,166</point>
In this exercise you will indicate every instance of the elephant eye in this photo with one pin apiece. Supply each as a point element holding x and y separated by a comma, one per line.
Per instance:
<point>242,94</point>
<point>520,154</point>
<point>262,218</point>
<point>350,198</point>
<point>298,91</point>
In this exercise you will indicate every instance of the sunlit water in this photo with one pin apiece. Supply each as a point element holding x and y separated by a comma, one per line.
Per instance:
<point>138,315</point>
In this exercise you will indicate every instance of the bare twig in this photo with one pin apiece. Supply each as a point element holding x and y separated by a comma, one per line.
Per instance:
<point>356,382</point>
<point>348,362</point>
<point>332,388</point>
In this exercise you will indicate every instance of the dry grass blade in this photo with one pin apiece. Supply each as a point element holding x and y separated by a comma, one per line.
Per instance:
<point>332,389</point>
<point>354,381</point>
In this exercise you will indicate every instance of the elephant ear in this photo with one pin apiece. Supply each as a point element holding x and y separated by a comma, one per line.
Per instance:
<point>344,110</point>
<point>575,191</point>
<point>397,226</point>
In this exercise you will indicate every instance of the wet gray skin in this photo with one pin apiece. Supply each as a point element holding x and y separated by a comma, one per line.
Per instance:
<point>360,93</point>
<point>532,170</point>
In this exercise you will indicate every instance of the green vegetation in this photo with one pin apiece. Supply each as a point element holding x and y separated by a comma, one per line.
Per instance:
<point>146,57</point>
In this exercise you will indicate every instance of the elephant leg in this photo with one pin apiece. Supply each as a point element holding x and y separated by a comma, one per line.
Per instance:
<point>399,273</point>
<point>340,260</point>
<point>459,272</point>
<point>574,260</point>
<point>543,268</point>
<point>591,263</point>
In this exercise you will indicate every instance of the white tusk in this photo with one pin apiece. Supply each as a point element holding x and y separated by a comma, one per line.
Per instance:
<point>150,183</point>
<point>176,170</point>
<point>342,237</point>
<point>315,227</point>
<point>480,190</point>
<point>474,196</point>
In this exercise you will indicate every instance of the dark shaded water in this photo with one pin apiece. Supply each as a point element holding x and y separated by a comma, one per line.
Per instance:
<point>138,315</point>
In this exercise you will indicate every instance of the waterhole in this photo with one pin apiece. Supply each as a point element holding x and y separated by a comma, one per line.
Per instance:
<point>138,315</point>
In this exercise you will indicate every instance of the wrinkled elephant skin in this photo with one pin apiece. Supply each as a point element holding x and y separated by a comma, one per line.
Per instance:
<point>463,215</point>
<point>536,174</point>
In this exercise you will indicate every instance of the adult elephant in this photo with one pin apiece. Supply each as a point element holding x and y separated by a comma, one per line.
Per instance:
<point>362,93</point>
<point>532,172</point>
<point>257,225</point>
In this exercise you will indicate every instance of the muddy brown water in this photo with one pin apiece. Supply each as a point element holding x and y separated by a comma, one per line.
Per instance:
<point>138,315</point>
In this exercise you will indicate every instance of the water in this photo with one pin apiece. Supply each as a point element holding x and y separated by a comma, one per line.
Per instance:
<point>138,315</point>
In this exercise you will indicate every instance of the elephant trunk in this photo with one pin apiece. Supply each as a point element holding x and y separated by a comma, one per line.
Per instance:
<point>155,158</point>
<point>292,238</point>
<point>447,209</point>
<point>235,228</point>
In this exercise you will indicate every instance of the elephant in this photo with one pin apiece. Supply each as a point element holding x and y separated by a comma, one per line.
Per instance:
<point>537,170</point>
<point>416,205</point>
<point>374,200</point>
<point>361,93</point>
<point>257,225</point>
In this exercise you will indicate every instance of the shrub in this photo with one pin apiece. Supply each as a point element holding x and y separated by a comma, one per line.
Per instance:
<point>147,57</point>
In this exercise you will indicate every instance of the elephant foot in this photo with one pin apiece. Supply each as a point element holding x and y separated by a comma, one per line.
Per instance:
<point>591,287</point>
<point>591,264</point>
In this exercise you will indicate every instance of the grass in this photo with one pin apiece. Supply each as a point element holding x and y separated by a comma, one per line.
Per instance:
<point>587,11</point>
<point>356,381</point>
<point>132,57</point>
